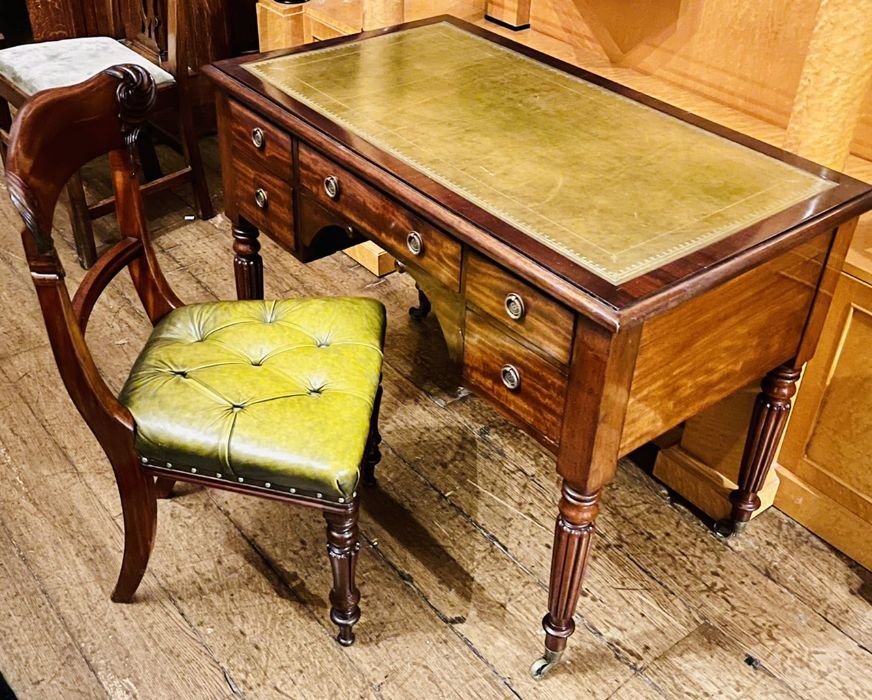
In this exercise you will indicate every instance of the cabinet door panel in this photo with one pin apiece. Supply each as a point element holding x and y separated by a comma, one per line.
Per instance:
<point>829,439</point>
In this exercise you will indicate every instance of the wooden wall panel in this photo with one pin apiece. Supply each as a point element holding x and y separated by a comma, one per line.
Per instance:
<point>747,55</point>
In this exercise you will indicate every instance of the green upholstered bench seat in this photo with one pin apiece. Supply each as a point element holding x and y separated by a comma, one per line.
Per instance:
<point>261,392</point>
<point>51,64</point>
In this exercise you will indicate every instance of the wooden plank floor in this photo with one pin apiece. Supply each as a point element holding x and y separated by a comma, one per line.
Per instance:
<point>454,566</point>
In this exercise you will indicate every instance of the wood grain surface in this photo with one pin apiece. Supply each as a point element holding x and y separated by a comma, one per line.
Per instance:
<point>454,563</point>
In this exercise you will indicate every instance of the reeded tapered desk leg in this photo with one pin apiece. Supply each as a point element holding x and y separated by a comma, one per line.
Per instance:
<point>764,433</point>
<point>572,541</point>
<point>247,263</point>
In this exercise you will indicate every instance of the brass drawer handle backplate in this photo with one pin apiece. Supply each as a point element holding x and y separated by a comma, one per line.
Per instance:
<point>258,138</point>
<point>415,243</point>
<point>511,377</point>
<point>515,308</point>
<point>261,198</point>
<point>331,186</point>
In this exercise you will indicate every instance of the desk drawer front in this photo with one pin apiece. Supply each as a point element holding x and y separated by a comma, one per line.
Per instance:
<point>514,376</point>
<point>520,307</point>
<point>265,200</point>
<point>259,142</point>
<point>390,225</point>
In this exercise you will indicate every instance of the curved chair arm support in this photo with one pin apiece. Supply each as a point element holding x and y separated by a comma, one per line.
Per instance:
<point>93,398</point>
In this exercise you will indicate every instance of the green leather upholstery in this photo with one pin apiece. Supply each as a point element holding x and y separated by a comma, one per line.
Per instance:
<point>615,186</point>
<point>276,394</point>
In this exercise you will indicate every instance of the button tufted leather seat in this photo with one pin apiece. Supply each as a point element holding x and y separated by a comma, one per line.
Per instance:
<point>271,393</point>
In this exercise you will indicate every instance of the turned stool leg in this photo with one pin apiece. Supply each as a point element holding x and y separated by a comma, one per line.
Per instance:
<point>247,263</point>
<point>342,546</point>
<point>572,541</point>
<point>764,433</point>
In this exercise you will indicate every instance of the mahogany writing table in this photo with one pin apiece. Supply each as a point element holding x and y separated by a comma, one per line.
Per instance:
<point>603,265</point>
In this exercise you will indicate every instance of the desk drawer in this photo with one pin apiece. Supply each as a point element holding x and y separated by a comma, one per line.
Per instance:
<point>538,397</point>
<point>386,222</point>
<point>259,142</point>
<point>265,200</point>
<point>529,313</point>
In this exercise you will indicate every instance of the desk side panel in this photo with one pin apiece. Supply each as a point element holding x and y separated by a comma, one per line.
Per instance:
<point>704,349</point>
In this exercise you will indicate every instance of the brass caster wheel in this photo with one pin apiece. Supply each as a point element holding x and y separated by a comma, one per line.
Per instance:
<point>345,637</point>
<point>543,664</point>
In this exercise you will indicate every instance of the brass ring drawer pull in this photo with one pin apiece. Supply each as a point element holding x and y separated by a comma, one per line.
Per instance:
<point>511,377</point>
<point>331,186</point>
<point>415,243</point>
<point>261,198</point>
<point>258,138</point>
<point>515,307</point>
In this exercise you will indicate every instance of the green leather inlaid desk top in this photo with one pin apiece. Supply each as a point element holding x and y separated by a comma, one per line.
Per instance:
<point>617,187</point>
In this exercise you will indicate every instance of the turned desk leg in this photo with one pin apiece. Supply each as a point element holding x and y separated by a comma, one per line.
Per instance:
<point>572,541</point>
<point>247,263</point>
<point>767,426</point>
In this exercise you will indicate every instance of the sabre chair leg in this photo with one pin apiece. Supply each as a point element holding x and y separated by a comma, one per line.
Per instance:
<point>139,506</point>
<point>342,546</point>
<point>373,453</point>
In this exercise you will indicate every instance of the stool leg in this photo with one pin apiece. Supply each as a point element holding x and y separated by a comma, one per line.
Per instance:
<point>342,546</point>
<point>163,486</point>
<point>373,453</point>
<point>83,231</point>
<point>191,150</point>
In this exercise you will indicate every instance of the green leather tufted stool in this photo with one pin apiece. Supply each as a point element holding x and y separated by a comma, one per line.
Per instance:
<point>277,399</point>
<point>276,394</point>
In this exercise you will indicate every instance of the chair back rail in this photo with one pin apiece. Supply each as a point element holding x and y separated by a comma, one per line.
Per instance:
<point>54,134</point>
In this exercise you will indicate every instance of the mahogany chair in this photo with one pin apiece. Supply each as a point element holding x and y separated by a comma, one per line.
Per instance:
<point>29,68</point>
<point>277,399</point>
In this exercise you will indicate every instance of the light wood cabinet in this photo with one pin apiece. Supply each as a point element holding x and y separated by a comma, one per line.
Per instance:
<point>825,464</point>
